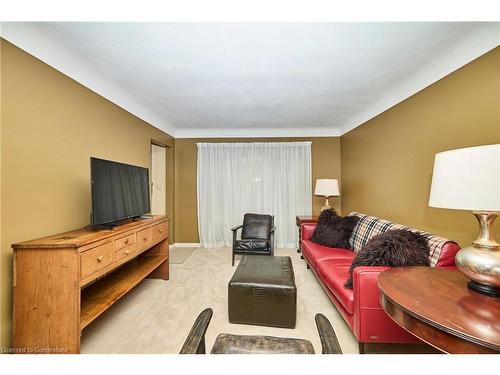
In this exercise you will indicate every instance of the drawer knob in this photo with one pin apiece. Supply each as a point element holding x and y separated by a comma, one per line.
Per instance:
<point>126,240</point>
<point>161,230</point>
<point>127,252</point>
<point>145,238</point>
<point>100,258</point>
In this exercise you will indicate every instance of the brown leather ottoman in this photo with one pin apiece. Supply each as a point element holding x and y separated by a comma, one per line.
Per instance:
<point>262,291</point>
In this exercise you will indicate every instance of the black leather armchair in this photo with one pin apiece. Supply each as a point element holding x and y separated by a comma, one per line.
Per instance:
<point>257,236</point>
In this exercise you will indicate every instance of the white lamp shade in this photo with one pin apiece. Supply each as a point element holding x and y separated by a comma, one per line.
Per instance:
<point>327,188</point>
<point>467,179</point>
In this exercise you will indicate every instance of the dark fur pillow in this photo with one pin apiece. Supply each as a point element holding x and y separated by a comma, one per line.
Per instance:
<point>394,248</point>
<point>333,230</point>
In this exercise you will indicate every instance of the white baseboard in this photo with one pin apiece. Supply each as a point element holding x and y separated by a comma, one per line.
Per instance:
<point>184,244</point>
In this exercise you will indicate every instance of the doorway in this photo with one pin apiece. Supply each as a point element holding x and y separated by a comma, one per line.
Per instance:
<point>158,179</point>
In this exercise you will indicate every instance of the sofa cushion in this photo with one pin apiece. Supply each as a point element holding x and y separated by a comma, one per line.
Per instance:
<point>257,226</point>
<point>394,248</point>
<point>251,245</point>
<point>316,253</point>
<point>334,273</point>
<point>369,226</point>
<point>333,230</point>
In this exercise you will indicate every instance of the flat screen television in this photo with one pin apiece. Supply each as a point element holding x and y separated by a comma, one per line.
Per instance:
<point>119,191</point>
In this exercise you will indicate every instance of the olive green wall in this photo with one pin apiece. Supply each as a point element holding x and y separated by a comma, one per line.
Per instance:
<point>387,162</point>
<point>50,127</point>
<point>325,154</point>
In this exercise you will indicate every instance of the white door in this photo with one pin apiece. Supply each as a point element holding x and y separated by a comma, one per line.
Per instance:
<point>158,180</point>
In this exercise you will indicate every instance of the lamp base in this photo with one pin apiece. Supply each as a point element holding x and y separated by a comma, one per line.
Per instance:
<point>481,262</point>
<point>326,206</point>
<point>489,290</point>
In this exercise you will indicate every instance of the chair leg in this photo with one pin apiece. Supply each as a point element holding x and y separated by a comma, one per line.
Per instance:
<point>232,264</point>
<point>361,347</point>
<point>307,265</point>
<point>271,245</point>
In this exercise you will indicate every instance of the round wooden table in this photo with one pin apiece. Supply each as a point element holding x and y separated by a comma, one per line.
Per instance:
<point>435,305</point>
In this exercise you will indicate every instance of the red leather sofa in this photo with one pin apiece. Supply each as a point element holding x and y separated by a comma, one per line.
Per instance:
<point>360,306</point>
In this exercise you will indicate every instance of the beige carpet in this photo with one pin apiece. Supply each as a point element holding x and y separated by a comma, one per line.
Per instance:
<point>179,255</point>
<point>156,316</point>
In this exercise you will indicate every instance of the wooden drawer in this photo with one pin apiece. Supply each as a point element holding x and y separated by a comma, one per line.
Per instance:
<point>123,242</point>
<point>94,259</point>
<point>160,232</point>
<point>124,252</point>
<point>144,239</point>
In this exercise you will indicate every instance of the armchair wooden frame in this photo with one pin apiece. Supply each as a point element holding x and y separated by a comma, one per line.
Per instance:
<point>195,342</point>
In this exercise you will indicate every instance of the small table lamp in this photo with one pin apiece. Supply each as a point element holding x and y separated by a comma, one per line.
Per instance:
<point>326,188</point>
<point>469,179</point>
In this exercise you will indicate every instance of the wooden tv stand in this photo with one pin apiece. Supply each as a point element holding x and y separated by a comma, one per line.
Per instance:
<point>64,282</point>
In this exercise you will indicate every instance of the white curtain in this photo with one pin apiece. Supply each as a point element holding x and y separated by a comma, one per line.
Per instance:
<point>266,178</point>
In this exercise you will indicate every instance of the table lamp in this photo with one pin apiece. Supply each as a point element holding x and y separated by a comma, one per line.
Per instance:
<point>326,188</point>
<point>469,179</point>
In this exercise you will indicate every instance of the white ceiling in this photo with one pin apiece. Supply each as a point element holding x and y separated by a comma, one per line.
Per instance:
<point>247,80</point>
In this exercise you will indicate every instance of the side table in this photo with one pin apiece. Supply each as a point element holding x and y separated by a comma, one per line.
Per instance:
<point>435,305</point>
<point>299,220</point>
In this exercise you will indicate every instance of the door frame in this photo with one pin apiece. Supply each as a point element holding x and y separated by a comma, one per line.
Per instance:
<point>159,144</point>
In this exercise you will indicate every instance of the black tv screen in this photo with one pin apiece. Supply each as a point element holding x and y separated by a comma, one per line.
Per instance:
<point>119,191</point>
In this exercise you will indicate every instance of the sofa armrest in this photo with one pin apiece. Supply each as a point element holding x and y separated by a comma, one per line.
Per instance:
<point>370,321</point>
<point>365,286</point>
<point>307,230</point>
<point>447,256</point>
